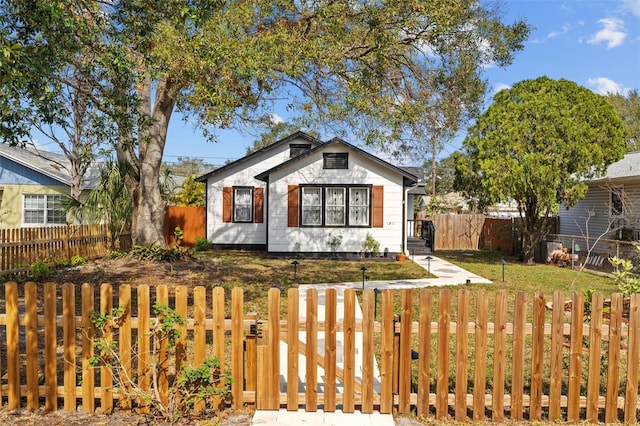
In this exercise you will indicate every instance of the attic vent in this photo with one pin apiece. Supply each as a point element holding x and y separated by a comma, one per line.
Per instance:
<point>336,160</point>
<point>296,149</point>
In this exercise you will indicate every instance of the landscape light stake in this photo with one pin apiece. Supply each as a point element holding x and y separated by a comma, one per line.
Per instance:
<point>503,262</point>
<point>364,270</point>
<point>295,264</point>
<point>428,259</point>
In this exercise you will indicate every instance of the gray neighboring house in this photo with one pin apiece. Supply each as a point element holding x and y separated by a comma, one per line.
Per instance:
<point>611,208</point>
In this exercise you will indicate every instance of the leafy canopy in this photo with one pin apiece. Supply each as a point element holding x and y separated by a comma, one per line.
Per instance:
<point>535,144</point>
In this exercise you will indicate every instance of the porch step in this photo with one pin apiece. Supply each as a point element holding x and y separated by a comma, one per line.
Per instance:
<point>418,246</point>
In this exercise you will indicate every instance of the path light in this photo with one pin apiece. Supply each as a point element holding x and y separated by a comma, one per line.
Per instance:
<point>503,262</point>
<point>428,259</point>
<point>295,264</point>
<point>364,270</point>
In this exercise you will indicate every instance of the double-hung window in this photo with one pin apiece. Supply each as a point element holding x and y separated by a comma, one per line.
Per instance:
<point>359,206</point>
<point>42,210</point>
<point>311,206</point>
<point>242,204</point>
<point>335,206</point>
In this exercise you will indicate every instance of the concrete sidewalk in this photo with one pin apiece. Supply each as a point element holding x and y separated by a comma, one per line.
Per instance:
<point>447,274</point>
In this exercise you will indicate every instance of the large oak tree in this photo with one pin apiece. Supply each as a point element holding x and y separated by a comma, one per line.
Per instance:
<point>535,144</point>
<point>373,69</point>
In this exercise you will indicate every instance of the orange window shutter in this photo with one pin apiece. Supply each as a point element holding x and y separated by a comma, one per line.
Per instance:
<point>377,203</point>
<point>292,208</point>
<point>227,202</point>
<point>258,201</point>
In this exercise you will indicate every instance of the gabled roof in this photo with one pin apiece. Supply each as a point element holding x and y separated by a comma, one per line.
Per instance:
<point>628,167</point>
<point>409,178</point>
<point>259,152</point>
<point>51,164</point>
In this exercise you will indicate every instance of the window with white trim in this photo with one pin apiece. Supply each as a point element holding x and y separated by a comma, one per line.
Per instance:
<point>43,210</point>
<point>243,204</point>
<point>359,206</point>
<point>335,205</point>
<point>311,206</point>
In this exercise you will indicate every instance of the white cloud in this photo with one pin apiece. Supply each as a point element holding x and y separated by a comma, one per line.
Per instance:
<point>603,86</point>
<point>565,29</point>
<point>612,32</point>
<point>633,6</point>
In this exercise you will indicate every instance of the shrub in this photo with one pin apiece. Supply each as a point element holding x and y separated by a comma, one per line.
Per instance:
<point>159,253</point>
<point>77,260</point>
<point>202,244</point>
<point>39,269</point>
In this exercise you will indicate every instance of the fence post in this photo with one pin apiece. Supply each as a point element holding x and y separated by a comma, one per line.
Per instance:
<point>404,385</point>
<point>50,344</point>
<point>293,307</point>
<point>31,326</point>
<point>13,356</point>
<point>631,396</point>
<point>237,314</point>
<point>613,371</point>
<point>424,349</point>
<point>251,355</point>
<point>330,350</point>
<point>442,378</point>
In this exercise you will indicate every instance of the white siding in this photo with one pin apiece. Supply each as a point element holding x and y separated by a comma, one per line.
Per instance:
<point>241,174</point>
<point>573,221</point>
<point>309,170</point>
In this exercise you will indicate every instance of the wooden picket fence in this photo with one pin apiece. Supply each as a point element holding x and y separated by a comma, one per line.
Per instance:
<point>529,358</point>
<point>21,247</point>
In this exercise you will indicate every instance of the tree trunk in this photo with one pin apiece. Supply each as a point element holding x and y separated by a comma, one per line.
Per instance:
<point>143,173</point>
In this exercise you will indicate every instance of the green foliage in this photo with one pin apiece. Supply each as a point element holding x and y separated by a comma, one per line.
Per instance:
<point>535,144</point>
<point>77,260</point>
<point>191,193</point>
<point>114,254</point>
<point>201,383</point>
<point>39,269</point>
<point>628,282</point>
<point>202,244</point>
<point>628,109</point>
<point>370,245</point>
<point>109,201</point>
<point>159,253</point>
<point>334,241</point>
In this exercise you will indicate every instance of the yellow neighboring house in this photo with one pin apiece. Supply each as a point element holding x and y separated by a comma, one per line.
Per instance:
<point>33,185</point>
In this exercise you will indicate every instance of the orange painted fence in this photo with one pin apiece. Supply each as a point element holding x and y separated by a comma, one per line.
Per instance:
<point>190,219</point>
<point>527,358</point>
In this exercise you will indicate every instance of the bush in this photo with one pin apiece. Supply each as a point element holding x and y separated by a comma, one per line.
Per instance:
<point>39,269</point>
<point>77,260</point>
<point>159,253</point>
<point>202,244</point>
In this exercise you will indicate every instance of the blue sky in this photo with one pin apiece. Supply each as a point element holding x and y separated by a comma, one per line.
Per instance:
<point>594,43</point>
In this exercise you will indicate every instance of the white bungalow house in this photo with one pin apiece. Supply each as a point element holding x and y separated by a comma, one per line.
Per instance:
<point>611,208</point>
<point>304,196</point>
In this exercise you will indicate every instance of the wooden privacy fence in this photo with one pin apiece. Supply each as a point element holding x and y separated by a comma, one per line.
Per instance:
<point>529,358</point>
<point>191,219</point>
<point>21,247</point>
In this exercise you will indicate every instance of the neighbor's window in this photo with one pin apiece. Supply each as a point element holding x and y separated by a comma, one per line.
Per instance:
<point>42,210</point>
<point>335,205</point>
<point>617,202</point>
<point>243,204</point>
<point>336,160</point>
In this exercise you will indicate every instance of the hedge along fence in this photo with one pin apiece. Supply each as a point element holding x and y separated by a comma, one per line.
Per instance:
<point>542,362</point>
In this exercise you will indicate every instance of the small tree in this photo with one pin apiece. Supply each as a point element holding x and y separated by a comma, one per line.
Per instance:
<point>535,145</point>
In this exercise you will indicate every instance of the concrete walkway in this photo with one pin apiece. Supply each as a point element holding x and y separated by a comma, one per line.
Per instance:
<point>446,273</point>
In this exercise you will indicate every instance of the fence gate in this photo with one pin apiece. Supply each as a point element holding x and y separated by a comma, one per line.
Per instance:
<point>332,342</point>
